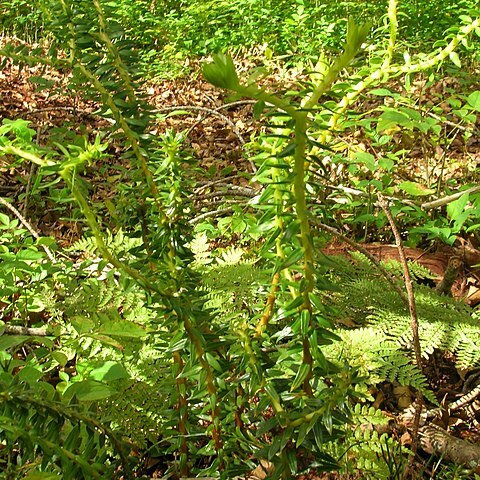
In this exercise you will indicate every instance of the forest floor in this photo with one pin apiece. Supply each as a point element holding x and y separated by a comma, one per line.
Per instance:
<point>216,135</point>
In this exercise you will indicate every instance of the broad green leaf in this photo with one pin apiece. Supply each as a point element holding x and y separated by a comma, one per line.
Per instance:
<point>29,374</point>
<point>106,340</point>
<point>109,371</point>
<point>415,189</point>
<point>455,208</point>
<point>386,163</point>
<point>10,341</point>
<point>474,100</point>
<point>90,390</point>
<point>366,159</point>
<point>82,324</point>
<point>392,118</point>
<point>60,358</point>
<point>460,220</point>
<point>122,328</point>
<point>5,219</point>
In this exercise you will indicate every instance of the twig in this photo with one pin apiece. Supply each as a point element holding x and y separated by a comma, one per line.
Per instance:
<point>388,276</point>
<point>28,227</point>
<point>213,213</point>
<point>460,403</point>
<point>424,206</point>
<point>221,182</point>
<point>450,198</point>
<point>452,124</point>
<point>16,330</point>
<point>238,193</point>
<point>236,104</point>
<point>204,184</point>
<point>207,110</point>
<point>244,191</point>
<point>413,315</point>
<point>435,440</point>
<point>54,109</point>
<point>210,111</point>
<point>408,280</point>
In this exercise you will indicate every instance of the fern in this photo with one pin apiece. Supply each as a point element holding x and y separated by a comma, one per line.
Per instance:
<point>233,285</point>
<point>366,452</point>
<point>383,347</point>
<point>118,243</point>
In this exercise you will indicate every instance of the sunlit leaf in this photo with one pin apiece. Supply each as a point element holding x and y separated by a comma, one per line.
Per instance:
<point>122,328</point>
<point>90,390</point>
<point>109,371</point>
<point>474,100</point>
<point>455,208</point>
<point>415,189</point>
<point>301,375</point>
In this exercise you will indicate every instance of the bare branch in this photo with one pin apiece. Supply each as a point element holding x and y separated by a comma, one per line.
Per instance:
<point>16,330</point>
<point>450,198</point>
<point>413,315</point>
<point>27,225</point>
<point>207,110</point>
<point>214,213</point>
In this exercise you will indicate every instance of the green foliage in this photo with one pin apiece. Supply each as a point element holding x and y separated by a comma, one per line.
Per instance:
<point>382,350</point>
<point>212,362</point>
<point>167,33</point>
<point>210,368</point>
<point>25,19</point>
<point>367,452</point>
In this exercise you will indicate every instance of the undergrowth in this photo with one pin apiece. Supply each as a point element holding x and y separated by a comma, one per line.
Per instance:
<point>141,341</point>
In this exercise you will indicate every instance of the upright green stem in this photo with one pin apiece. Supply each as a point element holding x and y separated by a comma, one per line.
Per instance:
<point>300,117</point>
<point>117,61</point>
<point>108,99</point>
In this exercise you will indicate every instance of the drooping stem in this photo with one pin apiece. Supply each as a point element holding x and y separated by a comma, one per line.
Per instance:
<point>408,67</point>
<point>68,175</point>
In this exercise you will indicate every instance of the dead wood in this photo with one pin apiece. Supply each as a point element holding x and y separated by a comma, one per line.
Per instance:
<point>444,287</point>
<point>435,440</point>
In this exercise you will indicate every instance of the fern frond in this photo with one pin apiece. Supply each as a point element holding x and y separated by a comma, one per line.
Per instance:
<point>382,348</point>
